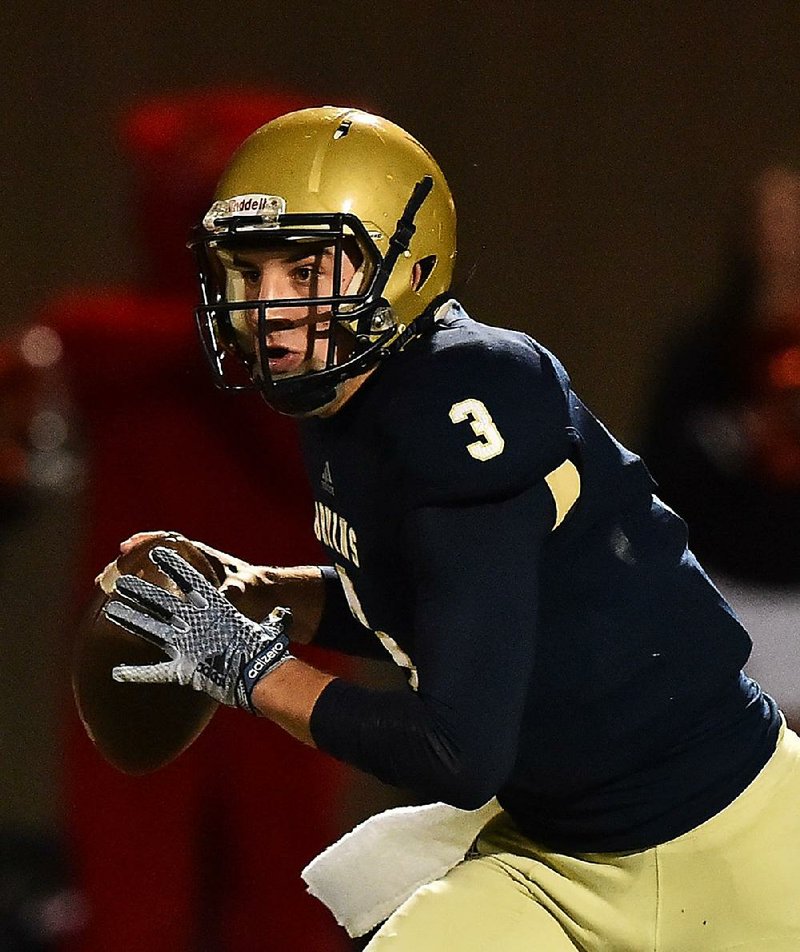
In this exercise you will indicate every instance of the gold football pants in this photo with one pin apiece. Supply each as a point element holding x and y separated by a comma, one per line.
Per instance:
<point>733,883</point>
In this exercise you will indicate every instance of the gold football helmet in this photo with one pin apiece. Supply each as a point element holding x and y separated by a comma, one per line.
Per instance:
<point>337,176</point>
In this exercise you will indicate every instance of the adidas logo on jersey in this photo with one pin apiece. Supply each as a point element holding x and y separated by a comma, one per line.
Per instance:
<point>326,481</point>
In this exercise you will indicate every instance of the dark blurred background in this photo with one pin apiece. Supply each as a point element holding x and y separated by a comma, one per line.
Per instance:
<point>598,153</point>
<point>590,146</point>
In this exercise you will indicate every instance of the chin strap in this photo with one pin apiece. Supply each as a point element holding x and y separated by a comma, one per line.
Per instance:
<point>301,397</point>
<point>403,233</point>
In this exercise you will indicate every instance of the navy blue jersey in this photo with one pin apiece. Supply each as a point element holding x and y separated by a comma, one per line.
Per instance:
<point>567,655</point>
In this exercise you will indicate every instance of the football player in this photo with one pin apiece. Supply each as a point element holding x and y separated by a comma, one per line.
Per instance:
<point>564,650</point>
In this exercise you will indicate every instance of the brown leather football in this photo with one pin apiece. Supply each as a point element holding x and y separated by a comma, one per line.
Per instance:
<point>136,727</point>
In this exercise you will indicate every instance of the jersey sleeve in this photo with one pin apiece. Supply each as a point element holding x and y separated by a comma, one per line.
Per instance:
<point>478,421</point>
<point>476,591</point>
<point>471,437</point>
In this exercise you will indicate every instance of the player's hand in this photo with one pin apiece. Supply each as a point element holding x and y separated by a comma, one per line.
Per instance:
<point>256,589</point>
<point>246,585</point>
<point>212,646</point>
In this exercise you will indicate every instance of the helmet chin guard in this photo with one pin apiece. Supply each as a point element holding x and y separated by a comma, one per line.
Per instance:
<point>341,179</point>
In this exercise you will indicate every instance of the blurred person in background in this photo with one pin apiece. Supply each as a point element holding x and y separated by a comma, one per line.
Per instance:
<point>39,907</point>
<point>146,849</point>
<point>723,439</point>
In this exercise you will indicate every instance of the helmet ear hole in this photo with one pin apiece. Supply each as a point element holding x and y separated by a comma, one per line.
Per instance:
<point>422,270</point>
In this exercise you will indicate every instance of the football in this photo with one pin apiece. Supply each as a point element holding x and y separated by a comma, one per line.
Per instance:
<point>138,728</point>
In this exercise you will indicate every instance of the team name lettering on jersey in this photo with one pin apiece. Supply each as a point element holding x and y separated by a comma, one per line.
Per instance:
<point>333,531</point>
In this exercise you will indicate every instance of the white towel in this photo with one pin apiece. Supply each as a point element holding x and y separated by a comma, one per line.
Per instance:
<point>369,872</point>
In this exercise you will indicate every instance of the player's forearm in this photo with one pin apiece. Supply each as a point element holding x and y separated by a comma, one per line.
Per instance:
<point>288,694</point>
<point>299,588</point>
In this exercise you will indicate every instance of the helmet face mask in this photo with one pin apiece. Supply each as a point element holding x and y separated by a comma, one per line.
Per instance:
<point>382,274</point>
<point>354,321</point>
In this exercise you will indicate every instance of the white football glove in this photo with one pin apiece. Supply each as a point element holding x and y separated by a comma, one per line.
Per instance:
<point>214,648</point>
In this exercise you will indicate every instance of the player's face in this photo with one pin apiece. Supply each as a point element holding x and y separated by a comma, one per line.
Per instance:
<point>297,336</point>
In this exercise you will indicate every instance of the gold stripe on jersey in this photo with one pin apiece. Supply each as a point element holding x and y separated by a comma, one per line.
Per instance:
<point>565,484</point>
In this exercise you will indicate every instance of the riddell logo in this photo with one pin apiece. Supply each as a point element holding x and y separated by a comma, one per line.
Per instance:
<point>251,204</point>
<point>266,207</point>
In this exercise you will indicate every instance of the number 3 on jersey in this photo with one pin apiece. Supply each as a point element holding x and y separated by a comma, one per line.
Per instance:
<point>491,443</point>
